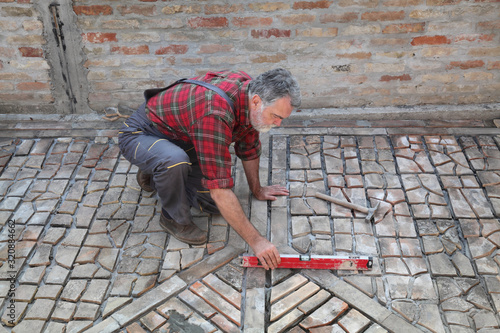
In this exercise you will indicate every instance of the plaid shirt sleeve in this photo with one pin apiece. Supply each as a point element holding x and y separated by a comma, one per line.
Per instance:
<point>249,148</point>
<point>211,138</point>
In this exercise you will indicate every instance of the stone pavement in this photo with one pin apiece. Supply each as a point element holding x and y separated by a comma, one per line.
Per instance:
<point>81,248</point>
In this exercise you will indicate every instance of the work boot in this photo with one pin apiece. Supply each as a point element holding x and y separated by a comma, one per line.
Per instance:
<point>144,181</point>
<point>189,233</point>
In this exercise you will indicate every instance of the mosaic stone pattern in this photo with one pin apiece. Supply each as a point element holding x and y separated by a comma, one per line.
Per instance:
<point>91,255</point>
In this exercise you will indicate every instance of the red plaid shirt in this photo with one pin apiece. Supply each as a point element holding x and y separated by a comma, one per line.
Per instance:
<point>199,116</point>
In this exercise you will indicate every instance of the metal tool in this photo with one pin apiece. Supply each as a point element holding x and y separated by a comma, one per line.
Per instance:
<point>315,262</point>
<point>368,211</point>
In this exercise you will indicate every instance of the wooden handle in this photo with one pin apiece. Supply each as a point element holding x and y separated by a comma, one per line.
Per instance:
<point>342,203</point>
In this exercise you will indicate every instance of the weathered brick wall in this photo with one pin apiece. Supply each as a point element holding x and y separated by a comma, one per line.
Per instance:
<point>24,72</point>
<point>345,53</point>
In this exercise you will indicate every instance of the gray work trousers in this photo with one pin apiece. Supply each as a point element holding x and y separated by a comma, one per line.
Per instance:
<point>176,174</point>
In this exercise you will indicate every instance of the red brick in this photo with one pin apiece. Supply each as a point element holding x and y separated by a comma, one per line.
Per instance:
<point>215,48</point>
<point>268,6</point>
<point>172,49</point>
<point>93,10</point>
<point>33,86</point>
<point>20,97</point>
<point>389,41</point>
<point>355,79</point>
<point>275,58</point>
<point>143,10</point>
<point>489,25</point>
<point>251,21</point>
<point>484,52</point>
<point>7,52</point>
<point>403,28</point>
<point>208,22</point>
<point>359,3</point>
<point>493,65</point>
<point>108,86</point>
<point>223,9</point>
<point>430,40</point>
<point>383,16</point>
<point>345,17</point>
<point>192,61</point>
<point>128,50</point>
<point>465,64</point>
<point>317,32</point>
<point>357,55</point>
<point>31,52</point>
<point>99,37</point>
<point>135,328</point>
<point>271,33</point>
<point>322,4</point>
<point>175,9</point>
<point>474,37</point>
<point>5,86</point>
<point>442,2</point>
<point>171,60</point>
<point>403,3</point>
<point>17,11</point>
<point>297,19</point>
<point>387,78</point>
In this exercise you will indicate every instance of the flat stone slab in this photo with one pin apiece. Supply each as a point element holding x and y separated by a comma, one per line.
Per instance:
<point>92,256</point>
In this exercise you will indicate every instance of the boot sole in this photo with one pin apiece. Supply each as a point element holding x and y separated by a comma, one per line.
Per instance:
<point>190,242</point>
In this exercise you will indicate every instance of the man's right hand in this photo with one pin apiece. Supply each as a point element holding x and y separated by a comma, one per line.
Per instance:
<point>267,253</point>
<point>231,210</point>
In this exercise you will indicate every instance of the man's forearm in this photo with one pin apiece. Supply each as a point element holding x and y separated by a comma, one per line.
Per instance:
<point>251,168</point>
<point>231,210</point>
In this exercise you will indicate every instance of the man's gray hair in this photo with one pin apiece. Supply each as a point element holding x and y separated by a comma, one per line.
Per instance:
<point>275,84</point>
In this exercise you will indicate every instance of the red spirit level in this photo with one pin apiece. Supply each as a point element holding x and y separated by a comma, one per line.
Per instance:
<point>315,262</point>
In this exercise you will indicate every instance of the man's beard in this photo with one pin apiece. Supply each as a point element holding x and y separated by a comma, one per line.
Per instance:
<point>256,124</point>
<point>263,129</point>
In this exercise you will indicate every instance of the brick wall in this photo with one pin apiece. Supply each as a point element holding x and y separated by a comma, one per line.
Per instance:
<point>24,71</point>
<point>346,53</point>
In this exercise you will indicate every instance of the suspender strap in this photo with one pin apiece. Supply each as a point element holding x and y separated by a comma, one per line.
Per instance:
<point>152,92</point>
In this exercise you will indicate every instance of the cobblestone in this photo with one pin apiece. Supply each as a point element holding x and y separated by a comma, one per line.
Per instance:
<point>89,246</point>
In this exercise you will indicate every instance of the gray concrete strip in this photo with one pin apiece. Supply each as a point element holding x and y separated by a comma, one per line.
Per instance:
<point>299,131</point>
<point>357,131</point>
<point>74,133</point>
<point>360,301</point>
<point>444,131</point>
<point>210,264</point>
<point>474,131</point>
<point>329,131</point>
<point>106,326</point>
<point>422,112</point>
<point>149,301</point>
<point>396,324</point>
<point>255,305</point>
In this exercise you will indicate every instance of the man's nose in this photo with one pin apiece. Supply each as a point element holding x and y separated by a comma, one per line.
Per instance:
<point>277,122</point>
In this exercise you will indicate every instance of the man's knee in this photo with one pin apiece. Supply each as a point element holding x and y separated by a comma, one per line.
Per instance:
<point>175,165</point>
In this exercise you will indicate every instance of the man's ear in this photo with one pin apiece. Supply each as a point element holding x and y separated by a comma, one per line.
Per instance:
<point>256,100</point>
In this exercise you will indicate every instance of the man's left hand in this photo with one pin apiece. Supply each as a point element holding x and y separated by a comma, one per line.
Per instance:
<point>270,192</point>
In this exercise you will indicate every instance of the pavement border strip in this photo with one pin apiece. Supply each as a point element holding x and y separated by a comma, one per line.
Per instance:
<point>360,301</point>
<point>140,306</point>
<point>112,131</point>
<point>385,131</point>
<point>210,264</point>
